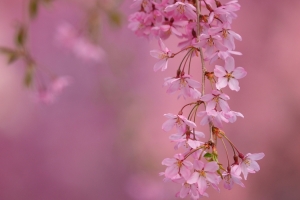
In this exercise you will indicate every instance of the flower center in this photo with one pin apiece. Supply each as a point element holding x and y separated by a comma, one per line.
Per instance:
<point>210,41</point>
<point>163,56</point>
<point>225,33</point>
<point>202,173</point>
<point>247,162</point>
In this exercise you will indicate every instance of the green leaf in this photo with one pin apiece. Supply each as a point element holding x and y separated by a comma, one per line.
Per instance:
<point>12,58</point>
<point>12,54</point>
<point>207,155</point>
<point>33,8</point>
<point>7,51</point>
<point>215,157</point>
<point>21,36</point>
<point>115,18</point>
<point>28,76</point>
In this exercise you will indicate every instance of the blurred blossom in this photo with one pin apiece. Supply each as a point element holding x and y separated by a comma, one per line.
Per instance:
<point>68,37</point>
<point>48,94</point>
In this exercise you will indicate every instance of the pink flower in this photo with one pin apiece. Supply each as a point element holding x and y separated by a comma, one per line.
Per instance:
<point>180,9</point>
<point>229,75</point>
<point>66,35</point>
<point>211,43</point>
<point>204,173</point>
<point>179,121</point>
<point>221,54</point>
<point>86,50</point>
<point>172,27</point>
<point>232,116</point>
<point>48,95</point>
<point>232,177</point>
<point>185,85</point>
<point>177,165</point>
<point>182,139</point>
<point>145,4</point>
<point>138,24</point>
<point>249,164</point>
<point>214,99</point>
<point>163,55</point>
<point>227,34</point>
<point>190,189</point>
<point>212,116</point>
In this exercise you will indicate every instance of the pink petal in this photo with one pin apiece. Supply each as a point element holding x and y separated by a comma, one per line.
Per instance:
<point>193,83</point>
<point>211,105</point>
<point>239,73</point>
<point>180,23</point>
<point>162,45</point>
<point>254,166</point>
<point>219,71</point>
<point>198,165</point>
<point>185,172</point>
<point>234,84</point>
<point>244,170</point>
<point>170,8</point>
<point>169,161</point>
<point>211,167</point>
<point>162,64</point>
<point>176,32</point>
<point>202,185</point>
<point>235,35</point>
<point>156,54</point>
<point>175,85</point>
<point>199,134</point>
<point>189,13</point>
<point>168,125</point>
<point>222,82</point>
<point>171,171</point>
<point>256,156</point>
<point>165,28</point>
<point>213,178</point>
<point>184,191</point>
<point>229,64</point>
<point>193,178</point>
<point>224,105</point>
<point>207,97</point>
<point>194,144</point>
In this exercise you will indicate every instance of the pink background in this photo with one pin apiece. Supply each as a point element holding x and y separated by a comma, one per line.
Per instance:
<point>102,139</point>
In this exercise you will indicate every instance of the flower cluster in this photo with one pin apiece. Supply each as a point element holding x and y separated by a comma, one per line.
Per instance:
<point>204,30</point>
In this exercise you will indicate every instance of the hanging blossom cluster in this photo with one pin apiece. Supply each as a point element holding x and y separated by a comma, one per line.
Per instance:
<point>204,30</point>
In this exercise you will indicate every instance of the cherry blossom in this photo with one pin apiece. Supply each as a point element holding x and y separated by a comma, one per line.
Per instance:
<point>249,164</point>
<point>49,94</point>
<point>214,99</point>
<point>229,75</point>
<point>211,38</point>
<point>177,165</point>
<point>179,121</point>
<point>180,9</point>
<point>185,85</point>
<point>205,172</point>
<point>163,55</point>
<point>183,139</point>
<point>232,177</point>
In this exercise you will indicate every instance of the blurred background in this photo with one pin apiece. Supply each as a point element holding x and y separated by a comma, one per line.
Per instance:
<point>102,138</point>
